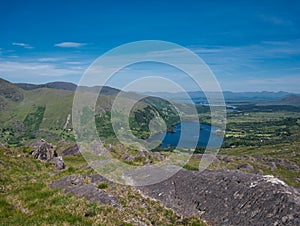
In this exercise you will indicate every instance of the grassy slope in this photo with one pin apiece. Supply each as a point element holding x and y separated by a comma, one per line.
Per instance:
<point>290,152</point>
<point>58,105</point>
<point>26,199</point>
<point>286,153</point>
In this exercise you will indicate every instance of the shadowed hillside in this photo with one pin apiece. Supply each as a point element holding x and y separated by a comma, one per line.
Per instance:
<point>10,91</point>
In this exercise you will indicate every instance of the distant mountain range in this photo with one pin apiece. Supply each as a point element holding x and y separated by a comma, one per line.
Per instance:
<point>47,108</point>
<point>228,95</point>
<point>290,100</point>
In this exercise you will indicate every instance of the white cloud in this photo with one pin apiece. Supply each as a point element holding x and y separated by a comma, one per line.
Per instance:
<point>250,56</point>
<point>73,62</point>
<point>24,45</point>
<point>49,59</point>
<point>70,44</point>
<point>31,70</point>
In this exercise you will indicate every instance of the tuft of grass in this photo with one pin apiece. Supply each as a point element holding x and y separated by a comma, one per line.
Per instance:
<point>103,186</point>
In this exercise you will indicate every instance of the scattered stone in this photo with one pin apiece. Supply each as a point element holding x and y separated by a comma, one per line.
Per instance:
<point>258,172</point>
<point>272,163</point>
<point>65,182</point>
<point>109,147</point>
<point>24,210</point>
<point>59,163</point>
<point>246,167</point>
<point>158,156</point>
<point>128,158</point>
<point>227,159</point>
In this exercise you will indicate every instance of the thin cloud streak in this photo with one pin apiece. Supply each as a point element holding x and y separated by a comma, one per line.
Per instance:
<point>50,59</point>
<point>37,70</point>
<point>24,45</point>
<point>70,44</point>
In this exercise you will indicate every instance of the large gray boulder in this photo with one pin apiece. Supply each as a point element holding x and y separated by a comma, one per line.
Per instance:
<point>227,197</point>
<point>71,151</point>
<point>44,151</point>
<point>59,163</point>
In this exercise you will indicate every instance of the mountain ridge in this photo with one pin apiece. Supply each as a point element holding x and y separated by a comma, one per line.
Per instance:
<point>290,100</point>
<point>54,85</point>
<point>9,91</point>
<point>228,95</point>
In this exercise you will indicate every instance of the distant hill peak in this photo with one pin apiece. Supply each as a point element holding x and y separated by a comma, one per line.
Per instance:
<point>10,91</point>
<point>51,85</point>
<point>290,100</point>
<point>106,90</point>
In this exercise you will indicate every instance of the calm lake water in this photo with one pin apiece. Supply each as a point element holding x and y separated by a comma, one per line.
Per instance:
<point>190,132</point>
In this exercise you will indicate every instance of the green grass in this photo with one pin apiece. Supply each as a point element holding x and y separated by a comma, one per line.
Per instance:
<point>26,198</point>
<point>286,153</point>
<point>103,185</point>
<point>290,152</point>
<point>252,128</point>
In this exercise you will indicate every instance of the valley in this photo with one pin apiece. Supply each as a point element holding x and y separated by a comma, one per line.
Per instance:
<point>262,138</point>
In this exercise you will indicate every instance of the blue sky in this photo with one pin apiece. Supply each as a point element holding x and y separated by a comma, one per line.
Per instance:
<point>249,45</point>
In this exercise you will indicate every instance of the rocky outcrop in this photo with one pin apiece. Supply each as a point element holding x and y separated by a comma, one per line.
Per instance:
<point>47,152</point>
<point>70,151</point>
<point>229,197</point>
<point>44,151</point>
<point>246,166</point>
<point>86,186</point>
<point>137,155</point>
<point>10,91</point>
<point>268,162</point>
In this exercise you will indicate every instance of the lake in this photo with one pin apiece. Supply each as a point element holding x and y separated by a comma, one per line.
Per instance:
<point>190,133</point>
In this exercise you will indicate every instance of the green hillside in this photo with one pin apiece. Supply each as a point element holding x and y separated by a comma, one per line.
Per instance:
<point>39,112</point>
<point>10,91</point>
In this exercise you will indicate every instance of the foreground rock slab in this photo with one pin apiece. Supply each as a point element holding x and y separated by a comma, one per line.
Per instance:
<point>86,186</point>
<point>229,197</point>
